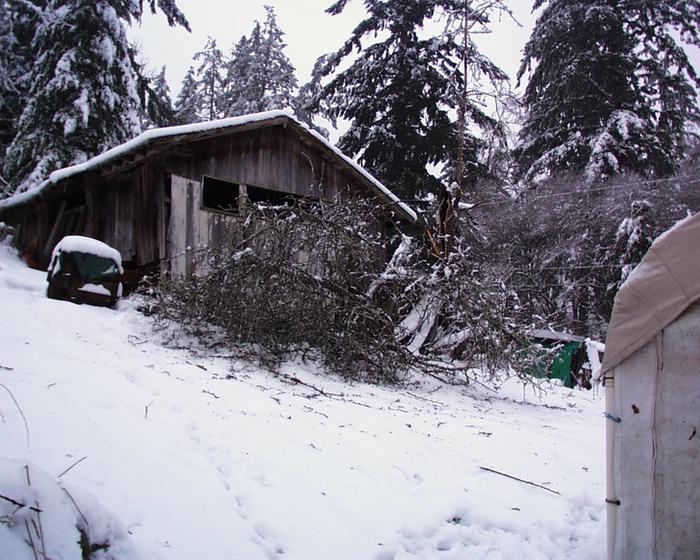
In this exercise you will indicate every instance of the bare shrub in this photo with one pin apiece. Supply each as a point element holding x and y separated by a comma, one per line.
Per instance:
<point>567,246</point>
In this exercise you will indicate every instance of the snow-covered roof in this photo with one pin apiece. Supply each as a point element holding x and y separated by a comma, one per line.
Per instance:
<point>153,134</point>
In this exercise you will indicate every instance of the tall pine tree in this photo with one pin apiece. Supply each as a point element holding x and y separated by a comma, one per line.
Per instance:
<point>400,90</point>
<point>260,77</point>
<point>86,90</point>
<point>17,24</point>
<point>188,100</point>
<point>210,81</point>
<point>159,109</point>
<point>610,88</point>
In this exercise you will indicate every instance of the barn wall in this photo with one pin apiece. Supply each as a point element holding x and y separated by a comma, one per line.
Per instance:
<point>32,233</point>
<point>191,230</point>
<point>43,225</point>
<point>131,209</point>
<point>273,158</point>
<point>126,212</point>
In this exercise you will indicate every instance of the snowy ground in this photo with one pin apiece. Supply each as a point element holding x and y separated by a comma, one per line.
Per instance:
<point>194,457</point>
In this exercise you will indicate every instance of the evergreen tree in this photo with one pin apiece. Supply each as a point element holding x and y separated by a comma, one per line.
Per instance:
<point>237,99</point>
<point>17,23</point>
<point>85,88</point>
<point>188,99</point>
<point>260,77</point>
<point>399,91</point>
<point>633,238</point>
<point>303,103</point>
<point>610,89</point>
<point>159,109</point>
<point>210,81</point>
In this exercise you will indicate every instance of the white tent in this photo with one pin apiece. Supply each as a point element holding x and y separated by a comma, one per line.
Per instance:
<point>652,377</point>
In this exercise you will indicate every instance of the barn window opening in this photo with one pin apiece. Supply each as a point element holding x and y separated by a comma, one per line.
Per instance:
<point>219,195</point>
<point>259,195</point>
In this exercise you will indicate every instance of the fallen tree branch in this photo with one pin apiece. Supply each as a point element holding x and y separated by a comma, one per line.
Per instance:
<point>520,480</point>
<point>424,398</point>
<point>298,381</point>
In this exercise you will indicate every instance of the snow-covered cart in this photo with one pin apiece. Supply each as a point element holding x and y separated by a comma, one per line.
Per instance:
<point>84,270</point>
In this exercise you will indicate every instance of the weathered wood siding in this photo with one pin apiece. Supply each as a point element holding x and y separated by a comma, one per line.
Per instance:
<point>125,211</point>
<point>273,158</point>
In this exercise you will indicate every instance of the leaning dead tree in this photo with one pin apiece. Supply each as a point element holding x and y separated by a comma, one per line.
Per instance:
<point>471,17</point>
<point>455,314</point>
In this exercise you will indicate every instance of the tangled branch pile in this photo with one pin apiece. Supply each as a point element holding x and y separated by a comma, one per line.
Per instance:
<point>313,279</point>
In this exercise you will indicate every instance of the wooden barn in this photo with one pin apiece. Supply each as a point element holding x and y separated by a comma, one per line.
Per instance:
<point>172,191</point>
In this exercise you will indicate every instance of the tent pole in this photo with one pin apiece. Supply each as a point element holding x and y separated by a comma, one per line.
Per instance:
<point>612,502</point>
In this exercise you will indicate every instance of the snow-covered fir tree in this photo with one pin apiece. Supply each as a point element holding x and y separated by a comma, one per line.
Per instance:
<point>210,81</point>
<point>237,71</point>
<point>17,24</point>
<point>401,89</point>
<point>159,109</point>
<point>633,238</point>
<point>303,104</point>
<point>668,79</point>
<point>259,75</point>
<point>610,90</point>
<point>188,100</point>
<point>85,87</point>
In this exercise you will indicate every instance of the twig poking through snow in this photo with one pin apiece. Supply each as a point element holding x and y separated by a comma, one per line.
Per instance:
<point>31,540</point>
<point>73,465</point>
<point>521,480</point>
<point>145,409</point>
<point>40,532</point>
<point>425,398</point>
<point>135,340</point>
<point>18,504</point>
<point>76,506</point>
<point>210,393</point>
<point>24,418</point>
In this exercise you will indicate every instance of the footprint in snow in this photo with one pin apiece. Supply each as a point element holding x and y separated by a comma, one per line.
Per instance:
<point>266,537</point>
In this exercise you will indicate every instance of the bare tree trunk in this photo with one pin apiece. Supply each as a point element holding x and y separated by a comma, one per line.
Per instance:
<point>447,218</point>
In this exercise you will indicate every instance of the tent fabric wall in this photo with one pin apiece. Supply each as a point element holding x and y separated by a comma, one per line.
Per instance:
<point>652,373</point>
<point>656,446</point>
